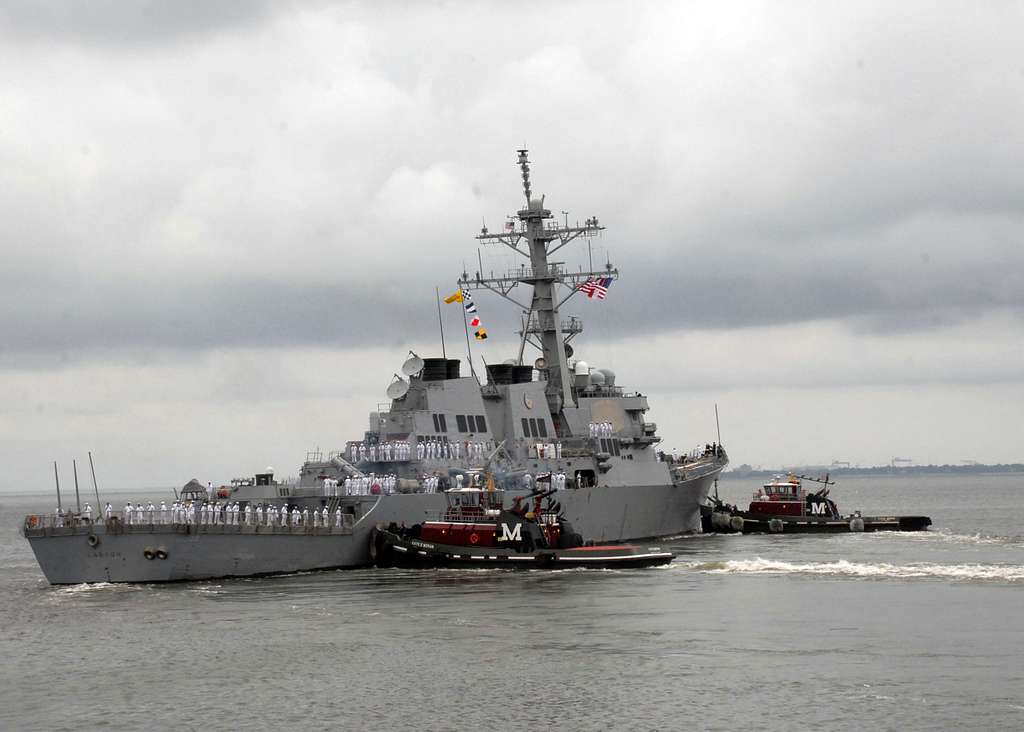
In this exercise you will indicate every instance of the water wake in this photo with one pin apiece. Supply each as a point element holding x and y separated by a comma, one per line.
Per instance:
<point>843,568</point>
<point>950,537</point>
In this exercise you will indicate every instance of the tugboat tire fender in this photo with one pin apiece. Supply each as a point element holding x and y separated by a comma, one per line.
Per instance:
<point>776,526</point>
<point>93,540</point>
<point>857,524</point>
<point>736,523</point>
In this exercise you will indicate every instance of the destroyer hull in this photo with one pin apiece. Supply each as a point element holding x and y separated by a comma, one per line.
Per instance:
<point>601,513</point>
<point>69,558</point>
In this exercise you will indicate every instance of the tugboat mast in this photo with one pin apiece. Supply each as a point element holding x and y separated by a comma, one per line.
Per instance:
<point>543,328</point>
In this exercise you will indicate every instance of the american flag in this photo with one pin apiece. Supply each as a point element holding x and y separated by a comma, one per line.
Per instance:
<point>598,287</point>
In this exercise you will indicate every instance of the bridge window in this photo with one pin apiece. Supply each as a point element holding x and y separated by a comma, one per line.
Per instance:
<point>526,427</point>
<point>460,422</point>
<point>542,428</point>
<point>437,425</point>
<point>481,424</point>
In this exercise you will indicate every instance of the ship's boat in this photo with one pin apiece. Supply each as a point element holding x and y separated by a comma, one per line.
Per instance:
<point>477,530</point>
<point>783,505</point>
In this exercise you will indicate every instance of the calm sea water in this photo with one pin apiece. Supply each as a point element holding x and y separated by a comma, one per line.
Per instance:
<point>869,631</point>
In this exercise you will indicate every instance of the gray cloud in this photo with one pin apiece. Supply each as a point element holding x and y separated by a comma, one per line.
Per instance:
<point>112,23</point>
<point>309,177</point>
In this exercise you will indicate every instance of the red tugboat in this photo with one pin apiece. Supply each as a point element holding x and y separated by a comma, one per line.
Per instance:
<point>782,505</point>
<point>477,530</point>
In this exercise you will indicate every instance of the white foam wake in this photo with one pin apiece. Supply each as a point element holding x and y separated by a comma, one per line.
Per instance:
<point>949,537</point>
<point>843,568</point>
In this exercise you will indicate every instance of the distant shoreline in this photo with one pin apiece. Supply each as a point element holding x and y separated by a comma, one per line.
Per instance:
<point>815,470</point>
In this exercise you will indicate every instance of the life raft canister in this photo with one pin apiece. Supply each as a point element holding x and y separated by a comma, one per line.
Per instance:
<point>223,492</point>
<point>33,521</point>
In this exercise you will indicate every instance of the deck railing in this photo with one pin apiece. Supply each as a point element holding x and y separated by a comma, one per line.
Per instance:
<point>160,521</point>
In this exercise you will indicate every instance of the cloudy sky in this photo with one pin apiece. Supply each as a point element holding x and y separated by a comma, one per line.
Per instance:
<point>222,224</point>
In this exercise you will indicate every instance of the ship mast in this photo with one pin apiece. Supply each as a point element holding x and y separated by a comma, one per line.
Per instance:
<point>536,240</point>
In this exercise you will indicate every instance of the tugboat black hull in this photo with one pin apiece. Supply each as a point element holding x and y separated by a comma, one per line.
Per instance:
<point>715,520</point>
<point>389,549</point>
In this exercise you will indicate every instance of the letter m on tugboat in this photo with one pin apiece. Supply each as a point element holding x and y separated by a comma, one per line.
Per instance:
<point>513,534</point>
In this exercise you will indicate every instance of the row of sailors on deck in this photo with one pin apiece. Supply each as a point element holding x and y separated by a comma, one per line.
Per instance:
<point>363,485</point>
<point>60,517</point>
<point>556,480</point>
<point>600,429</point>
<point>384,452</point>
<point>549,450</point>
<point>432,449</point>
<point>230,514</point>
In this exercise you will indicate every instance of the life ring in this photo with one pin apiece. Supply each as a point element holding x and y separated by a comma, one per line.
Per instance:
<point>93,540</point>
<point>161,554</point>
<point>148,553</point>
<point>33,521</point>
<point>474,539</point>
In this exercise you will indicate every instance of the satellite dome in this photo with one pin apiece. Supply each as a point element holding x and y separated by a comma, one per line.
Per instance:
<point>609,377</point>
<point>581,368</point>
<point>597,377</point>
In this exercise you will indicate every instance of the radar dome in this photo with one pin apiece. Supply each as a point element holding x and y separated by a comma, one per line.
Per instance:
<point>581,368</point>
<point>597,377</point>
<point>609,377</point>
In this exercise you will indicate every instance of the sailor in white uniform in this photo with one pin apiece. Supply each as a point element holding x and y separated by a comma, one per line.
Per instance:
<point>127,517</point>
<point>325,517</point>
<point>108,511</point>
<point>337,517</point>
<point>296,516</point>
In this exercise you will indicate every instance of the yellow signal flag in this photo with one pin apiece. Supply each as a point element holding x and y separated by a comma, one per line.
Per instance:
<point>481,335</point>
<point>457,297</point>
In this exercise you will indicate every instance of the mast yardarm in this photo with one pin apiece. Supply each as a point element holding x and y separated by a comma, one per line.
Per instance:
<point>537,240</point>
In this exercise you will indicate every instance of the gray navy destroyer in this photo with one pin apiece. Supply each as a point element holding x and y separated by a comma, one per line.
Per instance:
<point>550,418</point>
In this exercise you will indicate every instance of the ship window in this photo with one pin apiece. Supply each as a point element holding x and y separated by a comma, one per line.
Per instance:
<point>481,424</point>
<point>460,422</point>
<point>615,447</point>
<point>542,428</point>
<point>443,422</point>
<point>533,428</point>
<point>526,427</point>
<point>437,425</point>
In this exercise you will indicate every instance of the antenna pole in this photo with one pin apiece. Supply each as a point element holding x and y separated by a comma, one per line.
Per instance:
<point>56,478</point>
<point>440,323</point>
<point>717,426</point>
<point>78,500</point>
<point>94,486</point>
